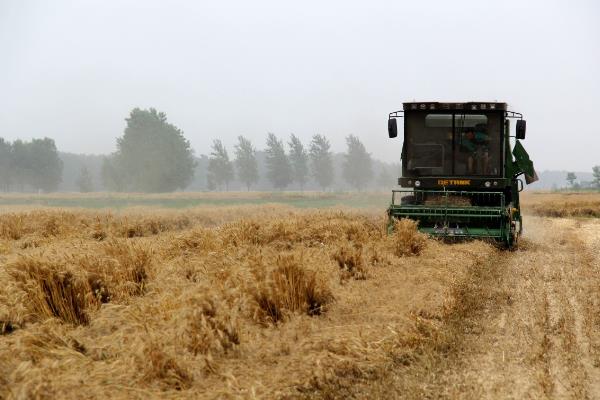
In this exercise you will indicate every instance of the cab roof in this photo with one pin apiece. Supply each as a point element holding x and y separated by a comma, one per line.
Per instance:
<point>442,106</point>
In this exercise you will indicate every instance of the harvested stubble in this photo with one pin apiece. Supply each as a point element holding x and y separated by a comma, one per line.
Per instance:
<point>258,303</point>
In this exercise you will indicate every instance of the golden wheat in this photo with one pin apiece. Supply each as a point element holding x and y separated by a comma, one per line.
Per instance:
<point>563,205</point>
<point>268,301</point>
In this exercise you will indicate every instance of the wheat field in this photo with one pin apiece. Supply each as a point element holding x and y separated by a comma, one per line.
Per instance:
<point>560,205</point>
<point>259,301</point>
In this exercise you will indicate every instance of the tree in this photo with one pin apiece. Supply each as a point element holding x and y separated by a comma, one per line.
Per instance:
<point>5,165</point>
<point>84,181</point>
<point>279,170</point>
<point>210,183</point>
<point>571,178</point>
<point>44,164</point>
<point>111,178</point>
<point>245,161</point>
<point>35,164</point>
<point>321,161</point>
<point>153,155</point>
<point>220,169</point>
<point>299,161</point>
<point>21,170</point>
<point>596,173</point>
<point>357,164</point>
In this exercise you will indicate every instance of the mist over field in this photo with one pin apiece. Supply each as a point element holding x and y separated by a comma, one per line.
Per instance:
<point>74,71</point>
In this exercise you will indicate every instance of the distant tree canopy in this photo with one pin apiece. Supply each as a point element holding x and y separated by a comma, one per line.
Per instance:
<point>596,174</point>
<point>5,165</point>
<point>33,164</point>
<point>152,155</point>
<point>321,161</point>
<point>245,162</point>
<point>298,161</point>
<point>279,170</point>
<point>46,166</point>
<point>84,181</point>
<point>357,166</point>
<point>111,179</point>
<point>220,168</point>
<point>571,178</point>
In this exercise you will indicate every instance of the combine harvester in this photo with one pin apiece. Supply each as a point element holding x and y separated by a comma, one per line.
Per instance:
<point>460,174</point>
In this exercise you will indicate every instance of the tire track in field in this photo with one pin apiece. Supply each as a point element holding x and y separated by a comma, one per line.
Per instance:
<point>562,338</point>
<point>528,325</point>
<point>585,299</point>
<point>572,280</point>
<point>545,346</point>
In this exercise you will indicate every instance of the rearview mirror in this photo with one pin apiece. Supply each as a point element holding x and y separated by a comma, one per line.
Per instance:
<point>521,125</point>
<point>392,128</point>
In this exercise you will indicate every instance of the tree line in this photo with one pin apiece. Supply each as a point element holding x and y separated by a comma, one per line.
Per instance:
<point>153,155</point>
<point>296,164</point>
<point>594,183</point>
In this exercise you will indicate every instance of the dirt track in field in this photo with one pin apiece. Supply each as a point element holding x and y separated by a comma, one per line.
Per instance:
<point>524,325</point>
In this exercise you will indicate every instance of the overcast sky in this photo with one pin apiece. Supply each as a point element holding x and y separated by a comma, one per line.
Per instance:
<point>72,70</point>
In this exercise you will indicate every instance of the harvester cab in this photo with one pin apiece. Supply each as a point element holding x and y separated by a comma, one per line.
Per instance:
<point>460,173</point>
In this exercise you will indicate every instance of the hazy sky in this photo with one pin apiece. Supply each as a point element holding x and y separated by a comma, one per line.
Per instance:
<point>72,70</point>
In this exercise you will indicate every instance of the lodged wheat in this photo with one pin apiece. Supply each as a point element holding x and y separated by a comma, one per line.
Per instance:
<point>174,303</point>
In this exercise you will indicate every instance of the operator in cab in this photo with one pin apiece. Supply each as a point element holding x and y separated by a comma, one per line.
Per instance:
<point>475,142</point>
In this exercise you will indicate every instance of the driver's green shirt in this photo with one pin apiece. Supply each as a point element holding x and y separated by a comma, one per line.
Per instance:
<point>479,138</point>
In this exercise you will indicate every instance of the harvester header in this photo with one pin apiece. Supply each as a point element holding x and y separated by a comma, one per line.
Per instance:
<point>460,174</point>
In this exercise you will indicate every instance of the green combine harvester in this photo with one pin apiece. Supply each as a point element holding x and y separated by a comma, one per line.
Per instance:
<point>460,174</point>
